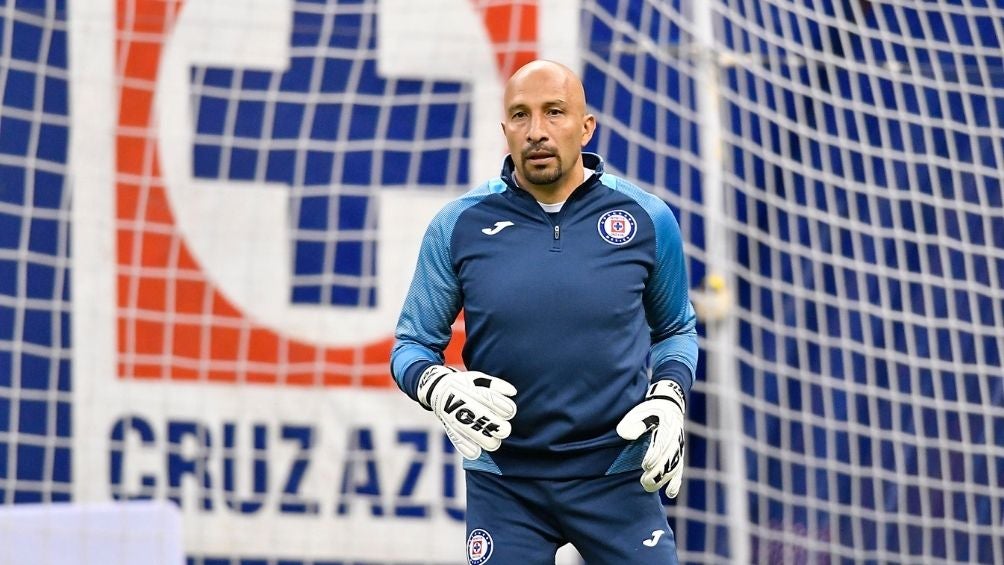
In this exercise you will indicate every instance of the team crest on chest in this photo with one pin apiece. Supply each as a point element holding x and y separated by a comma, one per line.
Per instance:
<point>617,227</point>
<point>479,546</point>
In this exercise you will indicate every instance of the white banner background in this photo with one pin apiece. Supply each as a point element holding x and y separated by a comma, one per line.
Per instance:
<point>246,255</point>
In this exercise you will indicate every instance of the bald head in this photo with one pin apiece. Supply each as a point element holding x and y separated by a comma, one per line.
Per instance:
<point>546,74</point>
<point>546,126</point>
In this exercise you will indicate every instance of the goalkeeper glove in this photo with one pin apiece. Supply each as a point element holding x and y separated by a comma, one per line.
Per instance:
<point>475,408</point>
<point>662,412</point>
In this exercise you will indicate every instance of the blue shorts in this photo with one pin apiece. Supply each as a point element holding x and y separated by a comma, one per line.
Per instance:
<point>609,520</point>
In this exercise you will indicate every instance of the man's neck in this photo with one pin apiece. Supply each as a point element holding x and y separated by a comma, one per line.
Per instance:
<point>558,192</point>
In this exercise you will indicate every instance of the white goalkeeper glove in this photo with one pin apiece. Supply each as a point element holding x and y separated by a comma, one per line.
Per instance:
<point>662,412</point>
<point>475,408</point>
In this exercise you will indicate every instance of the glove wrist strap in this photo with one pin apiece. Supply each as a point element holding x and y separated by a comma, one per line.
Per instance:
<point>668,390</point>
<point>427,382</point>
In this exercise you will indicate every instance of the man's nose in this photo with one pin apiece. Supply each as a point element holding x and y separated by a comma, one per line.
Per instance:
<point>537,132</point>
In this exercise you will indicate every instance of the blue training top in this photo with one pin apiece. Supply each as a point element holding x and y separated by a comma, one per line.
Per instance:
<point>576,309</point>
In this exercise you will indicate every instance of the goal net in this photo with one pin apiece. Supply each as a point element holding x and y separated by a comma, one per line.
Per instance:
<point>249,180</point>
<point>862,149</point>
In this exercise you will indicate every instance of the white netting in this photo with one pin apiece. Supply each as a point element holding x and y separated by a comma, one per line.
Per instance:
<point>34,255</point>
<point>864,146</point>
<point>861,210</point>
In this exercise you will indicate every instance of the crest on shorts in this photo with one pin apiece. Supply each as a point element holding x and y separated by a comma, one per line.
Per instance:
<point>617,227</point>
<point>479,546</point>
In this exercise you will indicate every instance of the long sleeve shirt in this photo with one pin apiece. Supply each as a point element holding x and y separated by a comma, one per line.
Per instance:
<point>578,309</point>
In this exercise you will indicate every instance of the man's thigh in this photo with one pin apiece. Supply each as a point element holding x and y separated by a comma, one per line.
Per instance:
<point>507,522</point>
<point>612,519</point>
<point>608,519</point>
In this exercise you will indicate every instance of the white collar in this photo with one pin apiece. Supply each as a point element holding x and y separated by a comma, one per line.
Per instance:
<point>556,207</point>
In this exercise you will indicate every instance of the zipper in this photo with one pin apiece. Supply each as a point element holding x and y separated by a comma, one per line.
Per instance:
<point>555,230</point>
<point>554,221</point>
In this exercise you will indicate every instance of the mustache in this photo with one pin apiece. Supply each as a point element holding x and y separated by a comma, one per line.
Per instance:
<point>538,148</point>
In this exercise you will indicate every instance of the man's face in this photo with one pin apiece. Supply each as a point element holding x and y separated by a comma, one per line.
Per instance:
<point>545,126</point>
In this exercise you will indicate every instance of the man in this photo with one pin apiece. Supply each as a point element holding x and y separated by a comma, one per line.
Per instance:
<point>580,340</point>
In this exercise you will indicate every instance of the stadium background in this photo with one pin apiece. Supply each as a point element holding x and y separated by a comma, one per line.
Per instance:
<point>850,406</point>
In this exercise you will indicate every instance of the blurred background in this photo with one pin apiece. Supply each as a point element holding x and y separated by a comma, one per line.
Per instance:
<point>209,213</point>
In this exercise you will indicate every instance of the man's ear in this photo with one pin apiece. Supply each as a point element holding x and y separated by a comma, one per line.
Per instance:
<point>588,127</point>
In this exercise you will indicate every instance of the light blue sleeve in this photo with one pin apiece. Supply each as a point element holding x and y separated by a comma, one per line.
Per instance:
<point>430,307</point>
<point>667,301</point>
<point>434,299</point>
